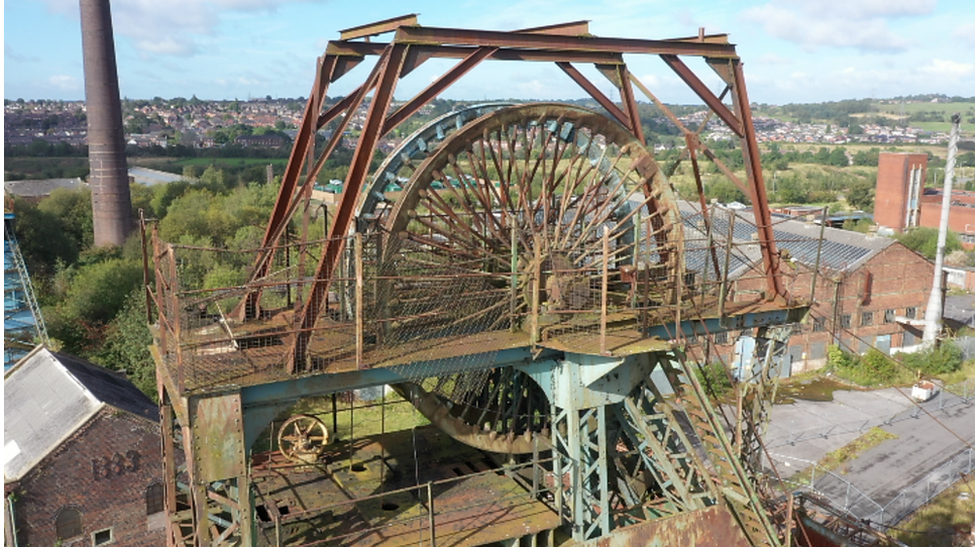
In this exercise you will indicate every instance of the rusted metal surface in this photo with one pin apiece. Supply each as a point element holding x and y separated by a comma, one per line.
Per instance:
<point>759,196</point>
<point>526,238</point>
<point>377,28</point>
<point>714,526</point>
<point>218,437</point>
<point>474,501</point>
<point>445,36</point>
<point>480,45</point>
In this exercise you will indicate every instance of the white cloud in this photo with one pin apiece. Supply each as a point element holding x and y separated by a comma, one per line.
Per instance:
<point>10,53</point>
<point>965,33</point>
<point>859,24</point>
<point>64,83</point>
<point>167,45</point>
<point>864,9</point>
<point>948,69</point>
<point>650,80</point>
<point>773,59</point>
<point>173,27</point>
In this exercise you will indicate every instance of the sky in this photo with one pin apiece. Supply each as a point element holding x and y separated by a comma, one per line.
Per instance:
<point>793,51</point>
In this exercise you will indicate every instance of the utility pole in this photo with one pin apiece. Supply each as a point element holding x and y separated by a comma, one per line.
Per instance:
<point>933,313</point>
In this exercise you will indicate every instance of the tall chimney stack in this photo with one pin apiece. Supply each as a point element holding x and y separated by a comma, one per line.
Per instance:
<point>109,179</point>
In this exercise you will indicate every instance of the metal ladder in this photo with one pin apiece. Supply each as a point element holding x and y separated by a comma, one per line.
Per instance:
<point>732,481</point>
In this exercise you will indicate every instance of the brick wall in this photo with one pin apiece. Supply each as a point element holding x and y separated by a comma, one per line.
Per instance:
<point>961,217</point>
<point>893,174</point>
<point>103,470</point>
<point>893,280</point>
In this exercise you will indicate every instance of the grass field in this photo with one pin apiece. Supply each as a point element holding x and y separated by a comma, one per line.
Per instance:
<point>896,112</point>
<point>912,108</point>
<point>945,521</point>
<point>176,165</point>
<point>901,111</point>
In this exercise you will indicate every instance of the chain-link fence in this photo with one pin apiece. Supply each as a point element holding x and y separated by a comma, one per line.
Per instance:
<point>411,299</point>
<point>844,495</point>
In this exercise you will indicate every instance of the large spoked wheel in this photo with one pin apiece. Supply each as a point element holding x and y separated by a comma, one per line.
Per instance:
<point>523,197</point>
<point>302,438</point>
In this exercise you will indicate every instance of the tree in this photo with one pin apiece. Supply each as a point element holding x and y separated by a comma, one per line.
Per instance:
<point>867,157</point>
<point>725,192</point>
<point>924,240</point>
<point>860,195</point>
<point>126,346</point>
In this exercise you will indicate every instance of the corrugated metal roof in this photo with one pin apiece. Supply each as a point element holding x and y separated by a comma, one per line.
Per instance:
<point>842,250</point>
<point>37,188</point>
<point>48,396</point>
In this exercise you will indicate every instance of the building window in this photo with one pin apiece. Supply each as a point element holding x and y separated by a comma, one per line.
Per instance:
<point>890,315</point>
<point>721,337</point>
<point>68,523</point>
<point>103,537</point>
<point>911,312</point>
<point>845,321</point>
<point>154,499</point>
<point>866,318</point>
<point>819,325</point>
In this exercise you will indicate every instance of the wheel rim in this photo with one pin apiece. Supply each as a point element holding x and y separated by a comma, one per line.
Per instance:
<point>519,191</point>
<point>302,438</point>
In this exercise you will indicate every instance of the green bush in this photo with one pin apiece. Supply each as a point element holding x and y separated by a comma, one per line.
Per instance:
<point>945,358</point>
<point>126,346</point>
<point>872,369</point>
<point>714,376</point>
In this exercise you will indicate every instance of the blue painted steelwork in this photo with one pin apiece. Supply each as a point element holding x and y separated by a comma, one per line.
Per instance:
<point>22,321</point>
<point>704,326</point>
<point>261,403</point>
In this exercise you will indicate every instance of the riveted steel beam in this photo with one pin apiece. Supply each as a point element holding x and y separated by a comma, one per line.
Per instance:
<point>574,28</point>
<point>461,37</point>
<point>378,27</point>
<point>388,75</point>
<point>436,88</point>
<point>359,49</point>
<point>599,96</point>
<point>702,91</point>
<point>759,197</point>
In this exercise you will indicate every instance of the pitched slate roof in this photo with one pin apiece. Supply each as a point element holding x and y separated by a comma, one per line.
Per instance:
<point>48,396</point>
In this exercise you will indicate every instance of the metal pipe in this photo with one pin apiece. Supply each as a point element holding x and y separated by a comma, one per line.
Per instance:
<point>727,262</point>
<point>514,276</point>
<point>819,252</point>
<point>605,283</point>
<point>433,530</point>
<point>932,314</point>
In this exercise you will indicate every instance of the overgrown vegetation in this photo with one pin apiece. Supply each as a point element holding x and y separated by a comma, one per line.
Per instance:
<point>945,521</point>
<point>875,369</point>
<point>92,299</point>
<point>835,460</point>
<point>714,378</point>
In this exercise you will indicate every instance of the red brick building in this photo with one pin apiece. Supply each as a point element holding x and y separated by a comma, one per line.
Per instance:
<point>82,460</point>
<point>900,184</point>
<point>871,291</point>
<point>961,217</point>
<point>902,202</point>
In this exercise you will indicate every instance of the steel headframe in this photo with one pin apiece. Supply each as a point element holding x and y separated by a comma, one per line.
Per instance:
<point>412,45</point>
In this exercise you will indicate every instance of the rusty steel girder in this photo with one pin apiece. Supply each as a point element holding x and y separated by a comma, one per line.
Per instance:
<point>411,46</point>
